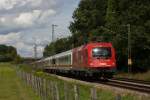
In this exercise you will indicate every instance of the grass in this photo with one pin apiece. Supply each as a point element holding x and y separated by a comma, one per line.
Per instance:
<point>140,76</point>
<point>84,90</point>
<point>11,87</point>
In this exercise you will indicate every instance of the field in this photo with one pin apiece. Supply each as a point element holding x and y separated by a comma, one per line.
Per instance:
<point>11,87</point>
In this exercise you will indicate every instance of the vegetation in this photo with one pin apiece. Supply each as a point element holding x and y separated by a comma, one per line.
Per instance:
<point>58,46</point>
<point>11,87</point>
<point>84,89</point>
<point>138,76</point>
<point>108,21</point>
<point>9,53</point>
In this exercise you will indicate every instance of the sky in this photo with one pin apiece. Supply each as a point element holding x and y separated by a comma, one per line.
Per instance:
<point>26,22</point>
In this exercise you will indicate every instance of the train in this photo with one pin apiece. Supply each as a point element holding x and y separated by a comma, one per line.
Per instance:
<point>93,59</point>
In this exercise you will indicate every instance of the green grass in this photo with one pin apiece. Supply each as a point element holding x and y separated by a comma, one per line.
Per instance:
<point>84,90</point>
<point>11,87</point>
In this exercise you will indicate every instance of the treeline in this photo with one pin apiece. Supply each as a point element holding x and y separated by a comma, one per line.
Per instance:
<point>9,53</point>
<point>111,21</point>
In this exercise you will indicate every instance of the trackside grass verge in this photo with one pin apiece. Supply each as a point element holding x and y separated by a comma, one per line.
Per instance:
<point>63,89</point>
<point>139,76</point>
<point>11,87</point>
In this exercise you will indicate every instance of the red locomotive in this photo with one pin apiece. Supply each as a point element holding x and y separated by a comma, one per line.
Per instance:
<point>92,59</point>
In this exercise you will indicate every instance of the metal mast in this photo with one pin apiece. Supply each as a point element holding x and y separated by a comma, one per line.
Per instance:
<point>129,48</point>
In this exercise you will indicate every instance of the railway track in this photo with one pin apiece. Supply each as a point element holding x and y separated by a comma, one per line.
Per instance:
<point>130,84</point>
<point>132,80</point>
<point>136,85</point>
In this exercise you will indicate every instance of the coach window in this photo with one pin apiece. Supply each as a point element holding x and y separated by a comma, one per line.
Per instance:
<point>69,57</point>
<point>53,61</point>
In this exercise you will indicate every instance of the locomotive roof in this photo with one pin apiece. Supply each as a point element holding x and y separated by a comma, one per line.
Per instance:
<point>100,43</point>
<point>107,44</point>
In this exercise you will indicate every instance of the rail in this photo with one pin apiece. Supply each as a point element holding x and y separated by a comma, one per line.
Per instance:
<point>128,84</point>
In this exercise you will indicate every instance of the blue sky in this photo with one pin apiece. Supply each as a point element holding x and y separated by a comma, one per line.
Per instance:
<point>22,22</point>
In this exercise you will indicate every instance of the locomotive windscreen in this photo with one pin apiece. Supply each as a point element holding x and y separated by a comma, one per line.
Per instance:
<point>101,52</point>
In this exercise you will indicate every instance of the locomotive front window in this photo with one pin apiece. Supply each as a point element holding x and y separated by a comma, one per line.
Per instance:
<point>101,52</point>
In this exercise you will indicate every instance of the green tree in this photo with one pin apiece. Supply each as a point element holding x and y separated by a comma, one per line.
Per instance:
<point>88,17</point>
<point>106,20</point>
<point>135,13</point>
<point>17,59</point>
<point>7,53</point>
<point>58,46</point>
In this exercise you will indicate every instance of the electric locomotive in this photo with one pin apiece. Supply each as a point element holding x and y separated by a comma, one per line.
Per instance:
<point>92,59</point>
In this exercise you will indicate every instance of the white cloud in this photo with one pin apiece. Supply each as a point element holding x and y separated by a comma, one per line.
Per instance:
<point>46,14</point>
<point>28,19</point>
<point>21,20</point>
<point>35,2</point>
<point>11,38</point>
<point>10,4</point>
<point>19,41</point>
<point>7,4</point>
<point>2,20</point>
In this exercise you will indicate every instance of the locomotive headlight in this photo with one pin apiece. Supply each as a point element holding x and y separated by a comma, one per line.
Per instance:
<point>113,63</point>
<point>104,64</point>
<point>91,64</point>
<point>96,50</point>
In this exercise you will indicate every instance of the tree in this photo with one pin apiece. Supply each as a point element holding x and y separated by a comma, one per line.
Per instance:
<point>106,21</point>
<point>135,13</point>
<point>58,46</point>
<point>7,53</point>
<point>17,59</point>
<point>88,17</point>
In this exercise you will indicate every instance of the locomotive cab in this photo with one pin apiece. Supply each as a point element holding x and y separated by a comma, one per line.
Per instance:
<point>102,58</point>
